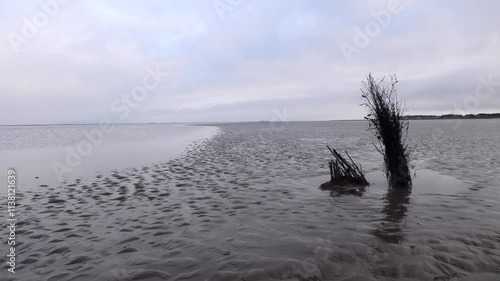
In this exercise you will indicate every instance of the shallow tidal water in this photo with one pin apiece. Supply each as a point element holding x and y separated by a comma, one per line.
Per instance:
<point>52,154</point>
<point>246,205</point>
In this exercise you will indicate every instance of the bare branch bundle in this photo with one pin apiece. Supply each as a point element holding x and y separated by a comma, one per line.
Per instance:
<point>345,172</point>
<point>387,122</point>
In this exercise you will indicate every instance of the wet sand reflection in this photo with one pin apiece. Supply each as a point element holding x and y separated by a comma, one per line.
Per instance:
<point>395,210</point>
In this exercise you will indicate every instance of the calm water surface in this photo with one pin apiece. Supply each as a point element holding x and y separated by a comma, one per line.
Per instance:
<point>38,152</point>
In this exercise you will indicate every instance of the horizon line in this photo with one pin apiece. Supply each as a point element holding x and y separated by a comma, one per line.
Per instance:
<point>228,122</point>
<point>160,123</point>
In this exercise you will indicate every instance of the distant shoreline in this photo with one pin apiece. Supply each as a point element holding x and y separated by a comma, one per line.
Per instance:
<point>408,117</point>
<point>454,116</point>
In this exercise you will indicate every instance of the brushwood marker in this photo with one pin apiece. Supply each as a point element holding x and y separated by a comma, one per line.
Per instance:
<point>11,219</point>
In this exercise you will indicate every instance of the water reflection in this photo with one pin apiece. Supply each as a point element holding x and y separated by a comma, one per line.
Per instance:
<point>336,191</point>
<point>395,210</point>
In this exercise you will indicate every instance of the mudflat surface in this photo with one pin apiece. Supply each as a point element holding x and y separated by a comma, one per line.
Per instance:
<point>245,205</point>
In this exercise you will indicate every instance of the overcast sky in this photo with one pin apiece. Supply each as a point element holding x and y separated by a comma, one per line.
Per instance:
<point>76,61</point>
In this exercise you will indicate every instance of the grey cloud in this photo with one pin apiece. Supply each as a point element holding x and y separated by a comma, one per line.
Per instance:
<point>262,56</point>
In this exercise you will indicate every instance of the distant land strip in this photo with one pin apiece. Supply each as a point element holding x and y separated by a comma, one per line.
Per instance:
<point>454,116</point>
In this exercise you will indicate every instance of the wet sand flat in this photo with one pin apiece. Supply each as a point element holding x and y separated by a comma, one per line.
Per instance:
<point>245,205</point>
